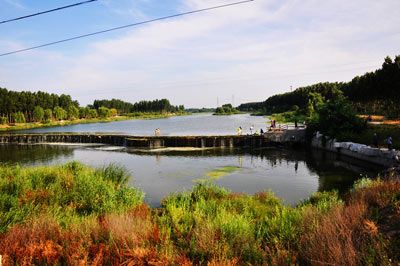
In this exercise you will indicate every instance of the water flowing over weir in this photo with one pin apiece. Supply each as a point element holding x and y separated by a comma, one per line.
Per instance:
<point>154,142</point>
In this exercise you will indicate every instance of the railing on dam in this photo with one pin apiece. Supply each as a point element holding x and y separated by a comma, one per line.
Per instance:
<point>268,139</point>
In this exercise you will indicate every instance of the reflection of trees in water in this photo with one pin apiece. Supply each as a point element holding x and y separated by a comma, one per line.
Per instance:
<point>333,172</point>
<point>336,172</point>
<point>31,154</point>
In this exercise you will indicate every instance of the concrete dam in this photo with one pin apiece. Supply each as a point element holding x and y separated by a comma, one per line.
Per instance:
<point>154,142</point>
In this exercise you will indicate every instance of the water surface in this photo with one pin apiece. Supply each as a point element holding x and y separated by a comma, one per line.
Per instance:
<point>196,124</point>
<point>292,175</point>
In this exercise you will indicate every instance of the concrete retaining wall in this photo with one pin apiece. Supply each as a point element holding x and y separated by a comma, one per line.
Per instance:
<point>358,151</point>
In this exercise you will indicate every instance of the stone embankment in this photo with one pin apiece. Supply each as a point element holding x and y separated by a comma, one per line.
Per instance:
<point>379,156</point>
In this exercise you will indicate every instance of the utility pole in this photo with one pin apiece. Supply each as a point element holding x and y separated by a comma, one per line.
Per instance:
<point>233,100</point>
<point>217,101</point>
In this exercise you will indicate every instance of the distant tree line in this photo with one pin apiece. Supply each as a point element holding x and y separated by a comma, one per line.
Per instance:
<point>156,106</point>
<point>226,109</point>
<point>25,106</point>
<point>22,107</point>
<point>375,92</point>
<point>121,106</point>
<point>200,110</point>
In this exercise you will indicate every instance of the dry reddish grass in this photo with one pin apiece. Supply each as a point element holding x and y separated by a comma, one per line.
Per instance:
<point>381,119</point>
<point>116,239</point>
<point>379,195</point>
<point>35,244</point>
<point>352,234</point>
<point>373,117</point>
<point>332,241</point>
<point>391,122</point>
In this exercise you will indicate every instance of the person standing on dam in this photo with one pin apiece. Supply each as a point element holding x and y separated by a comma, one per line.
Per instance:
<point>239,131</point>
<point>389,142</point>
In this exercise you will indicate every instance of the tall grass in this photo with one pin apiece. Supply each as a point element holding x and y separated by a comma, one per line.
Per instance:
<point>68,192</point>
<point>73,214</point>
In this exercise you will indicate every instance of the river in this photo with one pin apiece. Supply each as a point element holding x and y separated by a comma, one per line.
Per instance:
<point>196,124</point>
<point>293,175</point>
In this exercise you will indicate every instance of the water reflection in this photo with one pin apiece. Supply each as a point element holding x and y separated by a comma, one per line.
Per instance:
<point>33,154</point>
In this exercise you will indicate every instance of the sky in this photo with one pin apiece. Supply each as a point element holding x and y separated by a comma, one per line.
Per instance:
<point>237,54</point>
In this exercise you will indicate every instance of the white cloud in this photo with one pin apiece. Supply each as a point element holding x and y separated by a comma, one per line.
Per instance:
<point>252,51</point>
<point>15,3</point>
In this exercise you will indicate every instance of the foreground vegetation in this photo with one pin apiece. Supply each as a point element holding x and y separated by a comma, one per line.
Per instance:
<point>73,214</point>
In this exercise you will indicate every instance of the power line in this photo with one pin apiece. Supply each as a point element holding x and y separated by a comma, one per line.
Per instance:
<point>126,26</point>
<point>47,11</point>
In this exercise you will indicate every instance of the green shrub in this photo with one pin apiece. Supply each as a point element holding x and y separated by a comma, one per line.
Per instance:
<point>48,115</point>
<point>72,112</point>
<point>103,112</point>
<point>18,117</point>
<point>60,113</point>
<point>211,222</point>
<point>68,191</point>
<point>3,120</point>
<point>38,114</point>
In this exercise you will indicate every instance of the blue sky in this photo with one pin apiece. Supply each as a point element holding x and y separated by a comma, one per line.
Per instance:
<point>250,51</point>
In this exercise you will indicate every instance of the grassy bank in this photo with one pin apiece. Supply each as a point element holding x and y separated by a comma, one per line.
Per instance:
<point>288,117</point>
<point>131,116</point>
<point>73,214</point>
<point>383,132</point>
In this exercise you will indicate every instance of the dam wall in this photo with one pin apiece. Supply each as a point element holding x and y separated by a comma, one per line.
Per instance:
<point>153,142</point>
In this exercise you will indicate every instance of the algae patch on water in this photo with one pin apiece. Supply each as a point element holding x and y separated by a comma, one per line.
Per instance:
<point>218,173</point>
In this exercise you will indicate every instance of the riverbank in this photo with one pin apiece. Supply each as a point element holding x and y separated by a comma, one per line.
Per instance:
<point>133,116</point>
<point>383,128</point>
<point>73,214</point>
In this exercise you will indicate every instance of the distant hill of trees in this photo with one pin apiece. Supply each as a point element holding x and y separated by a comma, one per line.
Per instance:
<point>375,92</point>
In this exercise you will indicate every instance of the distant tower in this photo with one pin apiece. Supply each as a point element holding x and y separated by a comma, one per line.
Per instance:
<point>233,100</point>
<point>217,101</point>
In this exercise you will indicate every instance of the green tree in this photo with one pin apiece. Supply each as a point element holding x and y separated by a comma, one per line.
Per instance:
<point>48,115</point>
<point>83,112</point>
<point>104,112</point>
<point>336,119</point>
<point>92,113</point>
<point>18,117</point>
<point>38,114</point>
<point>315,101</point>
<point>113,112</point>
<point>72,112</point>
<point>59,113</point>
<point>3,120</point>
